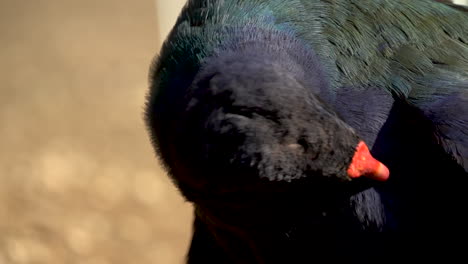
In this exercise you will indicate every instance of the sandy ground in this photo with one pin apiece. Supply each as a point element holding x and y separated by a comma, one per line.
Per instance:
<point>78,179</point>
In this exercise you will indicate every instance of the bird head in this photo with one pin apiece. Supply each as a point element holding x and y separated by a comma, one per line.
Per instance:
<point>250,118</point>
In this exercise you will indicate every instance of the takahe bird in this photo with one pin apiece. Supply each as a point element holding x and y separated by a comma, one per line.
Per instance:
<point>262,112</point>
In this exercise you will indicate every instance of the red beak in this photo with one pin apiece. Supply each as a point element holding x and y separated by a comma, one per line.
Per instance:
<point>363,164</point>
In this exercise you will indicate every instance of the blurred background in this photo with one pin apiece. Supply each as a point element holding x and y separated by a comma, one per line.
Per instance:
<point>79,182</point>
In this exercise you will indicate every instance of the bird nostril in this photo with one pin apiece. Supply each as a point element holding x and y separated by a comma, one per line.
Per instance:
<point>303,143</point>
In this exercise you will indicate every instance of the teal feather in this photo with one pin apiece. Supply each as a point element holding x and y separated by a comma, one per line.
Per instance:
<point>404,59</point>
<point>396,45</point>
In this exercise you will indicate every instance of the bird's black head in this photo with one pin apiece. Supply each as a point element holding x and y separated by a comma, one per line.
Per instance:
<point>253,121</point>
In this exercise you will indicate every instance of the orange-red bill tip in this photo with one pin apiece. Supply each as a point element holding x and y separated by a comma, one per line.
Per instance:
<point>363,164</point>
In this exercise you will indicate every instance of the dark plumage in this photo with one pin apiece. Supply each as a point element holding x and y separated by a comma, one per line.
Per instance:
<point>256,108</point>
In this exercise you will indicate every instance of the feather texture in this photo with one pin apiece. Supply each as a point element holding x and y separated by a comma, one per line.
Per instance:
<point>395,72</point>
